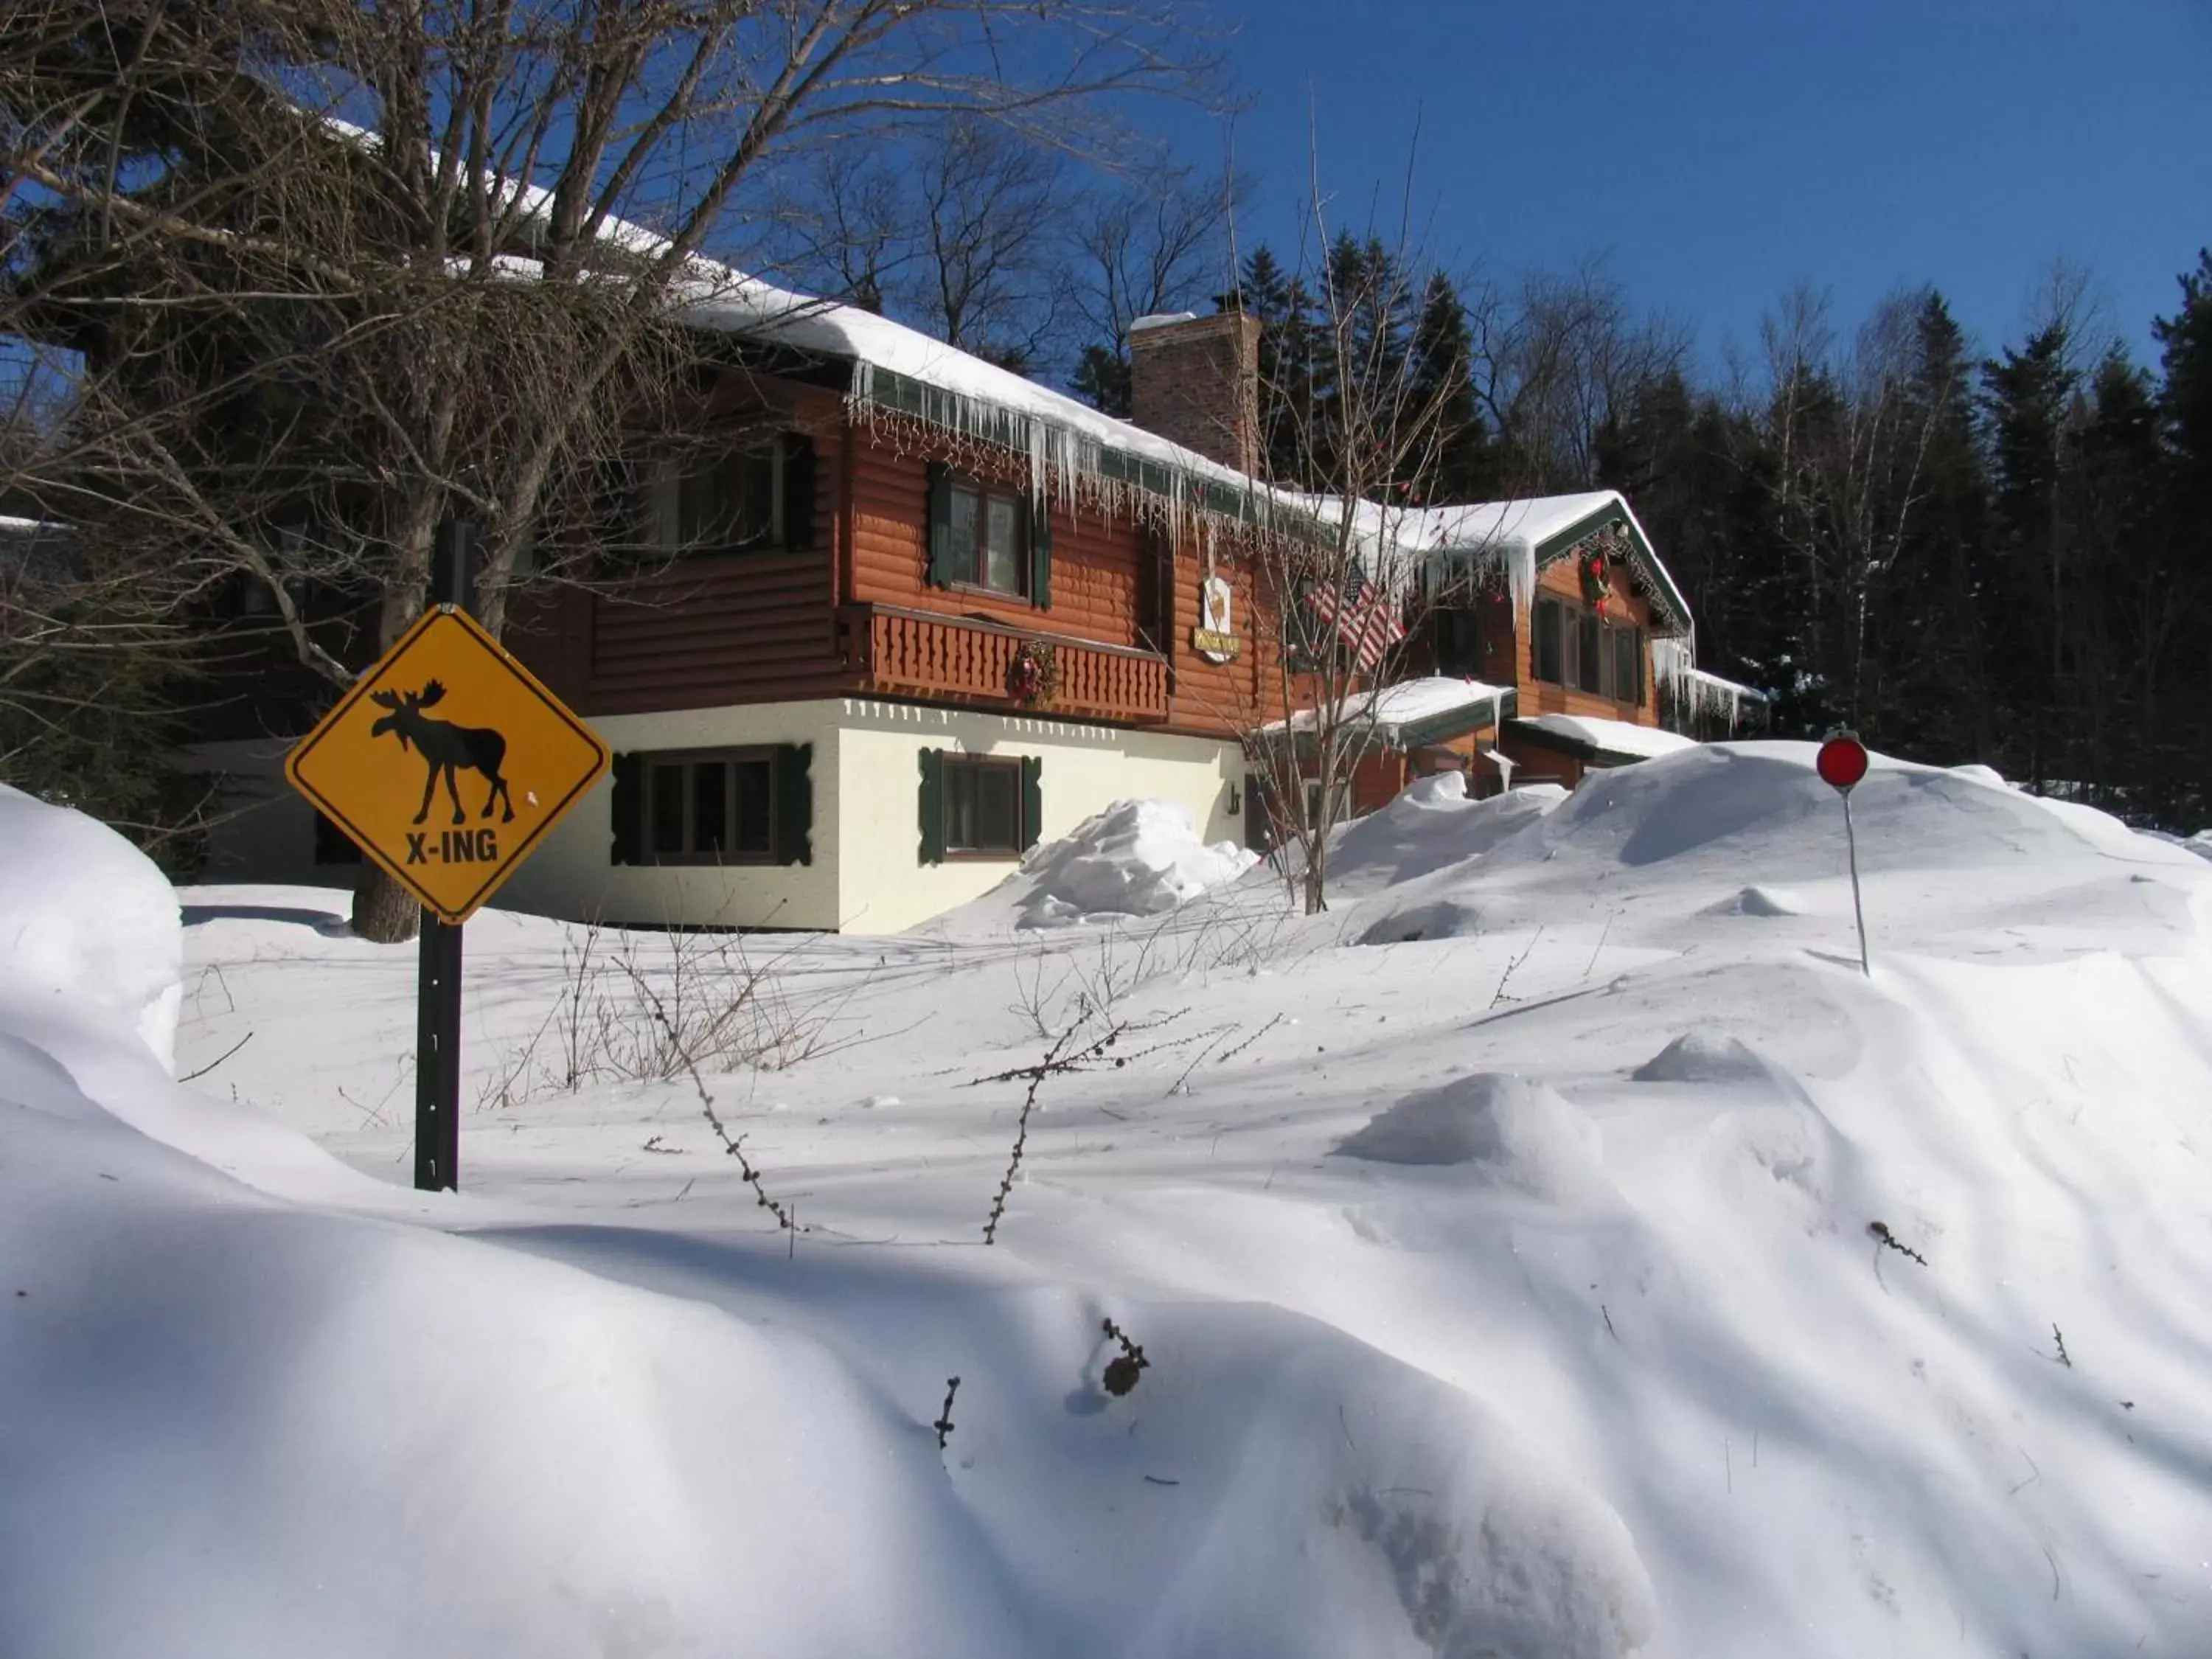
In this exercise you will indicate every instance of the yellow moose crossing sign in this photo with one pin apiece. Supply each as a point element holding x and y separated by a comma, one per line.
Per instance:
<point>447,762</point>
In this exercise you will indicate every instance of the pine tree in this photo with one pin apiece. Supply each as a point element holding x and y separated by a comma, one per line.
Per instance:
<point>1441,370</point>
<point>2026,396</point>
<point>2179,765</point>
<point>1941,606</point>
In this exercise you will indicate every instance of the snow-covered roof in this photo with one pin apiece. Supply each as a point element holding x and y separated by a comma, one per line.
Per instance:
<point>902,372</point>
<point>1612,737</point>
<point>1413,712</point>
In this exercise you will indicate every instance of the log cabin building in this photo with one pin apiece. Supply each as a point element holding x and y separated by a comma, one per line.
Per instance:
<point>914,613</point>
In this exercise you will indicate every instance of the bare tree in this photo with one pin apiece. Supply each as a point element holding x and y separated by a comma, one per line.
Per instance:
<point>1849,433</point>
<point>960,231</point>
<point>1144,245</point>
<point>1364,425</point>
<point>1559,356</point>
<point>381,269</point>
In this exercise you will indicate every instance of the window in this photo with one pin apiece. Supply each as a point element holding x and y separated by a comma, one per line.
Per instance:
<point>1627,665</point>
<point>1590,653</point>
<point>982,806</point>
<point>728,502</point>
<point>977,806</point>
<point>1575,648</point>
<point>713,807</point>
<point>1458,644</point>
<point>988,537</point>
<point>987,543</point>
<point>710,808</point>
<point>1544,641</point>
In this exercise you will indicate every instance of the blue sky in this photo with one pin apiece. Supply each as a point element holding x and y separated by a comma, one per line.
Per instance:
<point>1716,151</point>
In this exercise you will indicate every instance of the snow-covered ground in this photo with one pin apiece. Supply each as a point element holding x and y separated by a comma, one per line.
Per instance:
<point>1502,1246</point>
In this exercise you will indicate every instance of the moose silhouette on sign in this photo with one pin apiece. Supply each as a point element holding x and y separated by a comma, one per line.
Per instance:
<point>445,747</point>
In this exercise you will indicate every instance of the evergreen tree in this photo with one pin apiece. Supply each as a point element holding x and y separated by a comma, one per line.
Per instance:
<point>1938,609</point>
<point>2177,771</point>
<point>1287,369</point>
<point>2025,397</point>
<point>1442,373</point>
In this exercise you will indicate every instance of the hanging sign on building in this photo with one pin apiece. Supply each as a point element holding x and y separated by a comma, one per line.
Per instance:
<point>447,762</point>
<point>1215,636</point>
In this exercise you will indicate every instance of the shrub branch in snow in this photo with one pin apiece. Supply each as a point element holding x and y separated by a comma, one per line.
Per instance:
<point>1888,1240</point>
<point>1126,1367</point>
<point>785,1217</point>
<point>944,1425</point>
<point>1059,1060</point>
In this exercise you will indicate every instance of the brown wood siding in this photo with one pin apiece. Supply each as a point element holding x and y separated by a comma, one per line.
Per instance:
<point>707,630</point>
<point>1221,700</point>
<point>1094,561</point>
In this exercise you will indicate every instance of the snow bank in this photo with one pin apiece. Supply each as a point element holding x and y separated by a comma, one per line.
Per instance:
<point>1136,858</point>
<point>1431,824</point>
<point>1747,829</point>
<point>1513,1132</point>
<point>87,922</point>
<point>1702,1055</point>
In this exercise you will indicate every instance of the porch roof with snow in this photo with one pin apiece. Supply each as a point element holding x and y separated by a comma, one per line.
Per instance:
<point>1413,713</point>
<point>1589,737</point>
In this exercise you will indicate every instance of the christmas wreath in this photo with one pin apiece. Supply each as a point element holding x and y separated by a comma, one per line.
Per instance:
<point>1033,676</point>
<point>1590,562</point>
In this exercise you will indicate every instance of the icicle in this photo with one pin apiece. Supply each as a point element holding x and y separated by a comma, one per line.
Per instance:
<point>1673,662</point>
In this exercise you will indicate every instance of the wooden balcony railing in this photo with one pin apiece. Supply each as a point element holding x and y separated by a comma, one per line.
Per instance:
<point>918,653</point>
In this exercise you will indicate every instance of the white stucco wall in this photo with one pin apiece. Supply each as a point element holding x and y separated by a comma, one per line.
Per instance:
<point>866,876</point>
<point>882,884</point>
<point>569,873</point>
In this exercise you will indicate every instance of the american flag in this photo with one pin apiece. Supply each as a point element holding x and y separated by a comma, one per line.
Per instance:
<point>1363,618</point>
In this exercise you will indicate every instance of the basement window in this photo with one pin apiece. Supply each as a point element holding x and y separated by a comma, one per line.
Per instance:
<point>983,806</point>
<point>711,808</point>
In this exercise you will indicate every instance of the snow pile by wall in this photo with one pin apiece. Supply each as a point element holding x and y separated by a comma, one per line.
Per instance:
<point>1136,858</point>
<point>87,922</point>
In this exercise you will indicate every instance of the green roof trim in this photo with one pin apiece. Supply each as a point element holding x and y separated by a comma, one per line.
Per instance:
<point>1457,723</point>
<point>1648,566</point>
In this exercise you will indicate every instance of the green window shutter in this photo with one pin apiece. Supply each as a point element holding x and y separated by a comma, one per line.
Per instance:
<point>933,806</point>
<point>940,525</point>
<point>1041,553</point>
<point>1032,800</point>
<point>629,810</point>
<point>797,492</point>
<point>794,803</point>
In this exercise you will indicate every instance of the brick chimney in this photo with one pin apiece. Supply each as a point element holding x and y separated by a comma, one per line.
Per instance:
<point>1195,381</point>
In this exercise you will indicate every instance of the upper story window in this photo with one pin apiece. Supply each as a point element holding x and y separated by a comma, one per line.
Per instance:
<point>1571,646</point>
<point>756,496</point>
<point>988,536</point>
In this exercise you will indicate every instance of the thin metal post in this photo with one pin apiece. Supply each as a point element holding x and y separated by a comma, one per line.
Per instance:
<point>437,1058</point>
<point>438,980</point>
<point>1852,839</point>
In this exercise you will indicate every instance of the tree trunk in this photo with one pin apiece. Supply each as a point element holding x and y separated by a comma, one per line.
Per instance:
<point>1316,871</point>
<point>384,912</point>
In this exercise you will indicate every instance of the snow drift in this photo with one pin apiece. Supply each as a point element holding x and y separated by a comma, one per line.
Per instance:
<point>86,922</point>
<point>1620,1272</point>
<point>1136,858</point>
